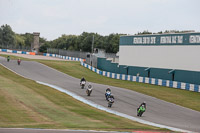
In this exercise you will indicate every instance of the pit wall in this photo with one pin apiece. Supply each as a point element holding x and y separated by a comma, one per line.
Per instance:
<point>17,52</point>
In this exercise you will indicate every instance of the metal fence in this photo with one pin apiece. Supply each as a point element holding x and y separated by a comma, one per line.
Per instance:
<point>77,54</point>
<point>90,58</point>
<point>110,55</point>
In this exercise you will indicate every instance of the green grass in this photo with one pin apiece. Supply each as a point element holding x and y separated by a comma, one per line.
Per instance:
<point>181,97</point>
<point>26,104</point>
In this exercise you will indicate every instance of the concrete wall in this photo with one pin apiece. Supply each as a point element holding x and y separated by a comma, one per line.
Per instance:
<point>182,57</point>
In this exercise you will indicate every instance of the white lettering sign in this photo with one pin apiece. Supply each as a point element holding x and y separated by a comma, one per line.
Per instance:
<point>153,40</point>
<point>167,39</point>
<point>194,39</point>
<point>171,39</point>
<point>180,39</point>
<point>144,40</point>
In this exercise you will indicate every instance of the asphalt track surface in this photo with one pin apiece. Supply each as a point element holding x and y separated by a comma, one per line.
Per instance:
<point>126,101</point>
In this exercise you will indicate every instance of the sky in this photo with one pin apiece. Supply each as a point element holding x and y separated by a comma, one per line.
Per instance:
<point>53,18</point>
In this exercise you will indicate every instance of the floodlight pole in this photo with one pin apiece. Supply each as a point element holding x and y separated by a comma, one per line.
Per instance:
<point>92,50</point>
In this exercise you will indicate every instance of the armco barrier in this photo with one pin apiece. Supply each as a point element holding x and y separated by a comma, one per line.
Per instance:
<point>18,52</point>
<point>167,83</point>
<point>64,57</point>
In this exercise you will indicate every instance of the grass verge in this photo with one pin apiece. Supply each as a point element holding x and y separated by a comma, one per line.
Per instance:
<point>26,104</point>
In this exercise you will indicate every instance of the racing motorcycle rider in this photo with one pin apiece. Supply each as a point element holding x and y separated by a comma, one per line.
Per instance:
<point>110,100</point>
<point>89,86</point>
<point>144,104</point>
<point>108,93</point>
<point>8,58</point>
<point>108,89</point>
<point>19,61</point>
<point>111,96</point>
<point>89,89</point>
<point>82,79</point>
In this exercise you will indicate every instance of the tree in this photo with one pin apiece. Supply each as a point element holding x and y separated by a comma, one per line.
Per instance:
<point>19,41</point>
<point>81,42</point>
<point>144,32</point>
<point>28,39</point>
<point>112,43</point>
<point>7,36</point>
<point>1,37</point>
<point>44,47</point>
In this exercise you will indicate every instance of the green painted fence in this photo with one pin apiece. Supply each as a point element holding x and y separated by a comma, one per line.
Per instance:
<point>192,77</point>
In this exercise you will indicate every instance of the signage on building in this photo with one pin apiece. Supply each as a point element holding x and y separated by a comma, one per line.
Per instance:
<point>162,39</point>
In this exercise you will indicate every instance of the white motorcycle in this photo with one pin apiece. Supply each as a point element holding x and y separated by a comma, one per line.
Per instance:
<point>110,101</point>
<point>83,84</point>
<point>89,90</point>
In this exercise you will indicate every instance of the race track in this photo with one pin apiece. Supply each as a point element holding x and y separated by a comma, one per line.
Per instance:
<point>126,101</point>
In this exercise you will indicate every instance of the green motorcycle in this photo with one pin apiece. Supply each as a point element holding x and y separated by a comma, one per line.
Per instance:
<point>140,110</point>
<point>8,58</point>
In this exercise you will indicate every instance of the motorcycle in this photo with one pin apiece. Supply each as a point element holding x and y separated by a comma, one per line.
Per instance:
<point>89,90</point>
<point>18,61</point>
<point>83,84</point>
<point>107,95</point>
<point>110,102</point>
<point>140,111</point>
<point>8,58</point>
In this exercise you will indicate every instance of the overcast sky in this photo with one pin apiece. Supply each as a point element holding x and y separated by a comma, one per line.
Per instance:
<point>52,18</point>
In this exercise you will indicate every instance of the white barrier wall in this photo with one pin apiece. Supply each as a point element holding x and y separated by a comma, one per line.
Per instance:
<point>182,57</point>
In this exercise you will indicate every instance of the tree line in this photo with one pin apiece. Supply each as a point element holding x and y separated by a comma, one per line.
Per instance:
<point>83,42</point>
<point>10,39</point>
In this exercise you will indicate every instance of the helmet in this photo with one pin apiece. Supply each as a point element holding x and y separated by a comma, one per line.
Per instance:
<point>89,86</point>
<point>144,102</point>
<point>108,89</point>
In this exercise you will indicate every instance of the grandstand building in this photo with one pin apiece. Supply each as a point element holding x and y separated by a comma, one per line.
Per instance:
<point>164,56</point>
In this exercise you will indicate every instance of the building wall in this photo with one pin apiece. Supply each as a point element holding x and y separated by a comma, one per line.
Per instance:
<point>158,73</point>
<point>106,65</point>
<point>161,53</point>
<point>181,57</point>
